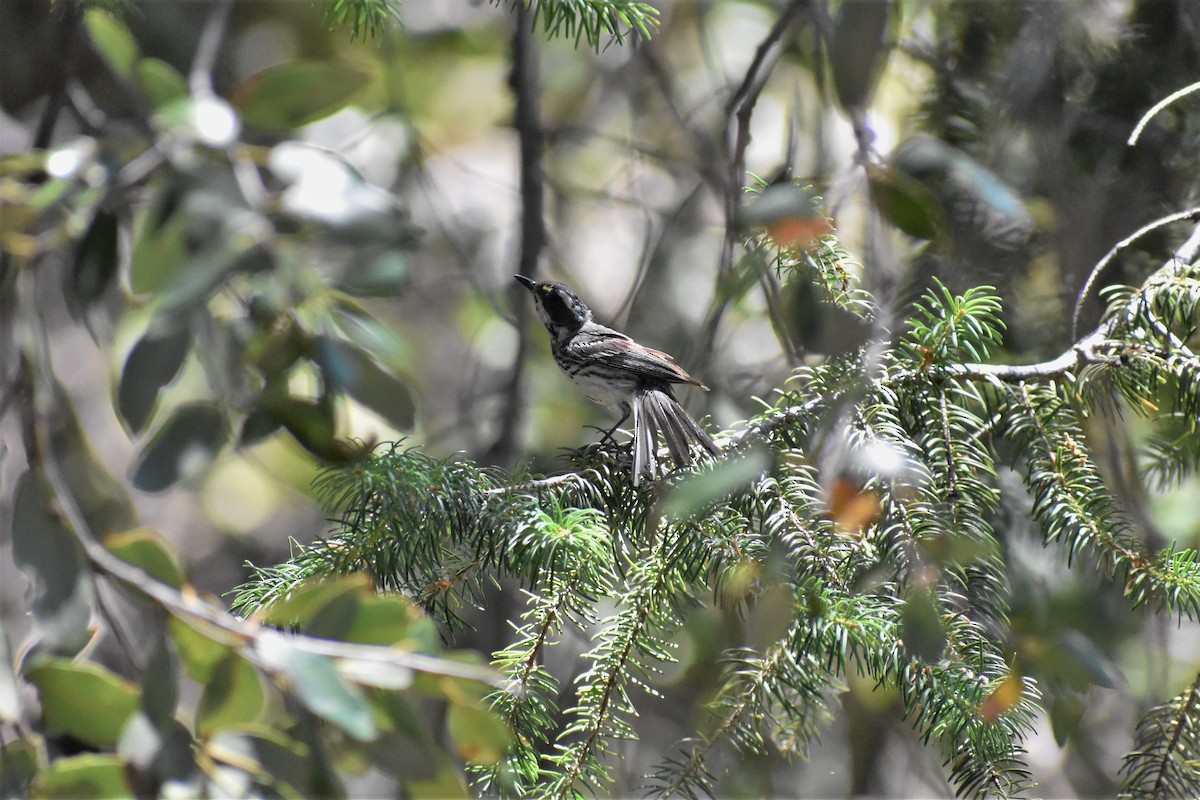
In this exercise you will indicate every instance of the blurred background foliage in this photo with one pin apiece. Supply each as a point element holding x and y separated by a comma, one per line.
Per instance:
<point>241,241</point>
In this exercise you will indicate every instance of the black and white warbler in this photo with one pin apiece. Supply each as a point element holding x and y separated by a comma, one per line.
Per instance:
<point>617,372</point>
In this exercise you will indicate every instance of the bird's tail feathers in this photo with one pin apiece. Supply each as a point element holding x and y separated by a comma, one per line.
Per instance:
<point>655,410</point>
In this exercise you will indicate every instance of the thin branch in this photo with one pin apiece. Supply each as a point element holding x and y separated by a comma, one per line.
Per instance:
<point>1190,214</point>
<point>200,78</point>
<point>525,80</point>
<point>739,111</point>
<point>1157,107</point>
<point>255,642</point>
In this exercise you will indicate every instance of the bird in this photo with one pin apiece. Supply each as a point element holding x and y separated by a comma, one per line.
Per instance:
<point>617,372</point>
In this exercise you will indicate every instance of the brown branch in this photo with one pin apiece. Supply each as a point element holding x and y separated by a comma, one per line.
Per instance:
<point>739,111</point>
<point>525,80</point>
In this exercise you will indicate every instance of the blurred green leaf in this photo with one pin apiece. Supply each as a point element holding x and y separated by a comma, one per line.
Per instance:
<point>103,500</point>
<point>201,646</point>
<point>392,620</point>
<point>905,203</point>
<point>696,491</point>
<point>857,51</point>
<point>185,444</point>
<point>18,767</point>
<point>84,700</point>
<point>306,600</point>
<point>259,424</point>
<point>207,270</point>
<point>45,548</point>
<point>148,549</point>
<point>92,776</point>
<point>311,422</point>
<point>112,40</point>
<point>160,82</point>
<point>921,626</point>
<point>745,273</point>
<point>159,248</point>
<point>479,734</point>
<point>160,682</point>
<point>233,695</point>
<point>269,756</point>
<point>371,335</point>
<point>286,96</point>
<point>377,275</point>
<point>1066,710</point>
<point>95,263</point>
<point>316,683</point>
<point>354,372</point>
<point>153,363</point>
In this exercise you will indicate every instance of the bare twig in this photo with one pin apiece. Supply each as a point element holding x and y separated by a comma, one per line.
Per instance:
<point>739,111</point>
<point>1157,107</point>
<point>1190,214</point>
<point>200,78</point>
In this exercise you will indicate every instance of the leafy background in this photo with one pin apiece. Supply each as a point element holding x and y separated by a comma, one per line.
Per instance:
<point>222,308</point>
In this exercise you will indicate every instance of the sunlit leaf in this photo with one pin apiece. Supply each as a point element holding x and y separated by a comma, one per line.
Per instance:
<point>84,699</point>
<point>289,95</point>
<point>159,249</point>
<point>112,40</point>
<point>160,82</point>
<point>1003,698</point>
<point>185,444</point>
<point>148,549</point>
<point>315,681</point>
<point>481,737</point>
<point>307,599</point>
<point>91,776</point>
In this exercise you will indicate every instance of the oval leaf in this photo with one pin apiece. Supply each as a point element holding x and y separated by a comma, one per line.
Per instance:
<point>479,734</point>
<point>284,97</point>
<point>160,82</point>
<point>857,51</point>
<point>352,371</point>
<point>148,549</point>
<point>46,549</point>
<point>201,646</point>
<point>112,40</point>
<point>315,681</point>
<point>188,441</point>
<point>95,261</point>
<point>233,695</point>
<point>153,363</point>
<point>84,700</point>
<point>84,777</point>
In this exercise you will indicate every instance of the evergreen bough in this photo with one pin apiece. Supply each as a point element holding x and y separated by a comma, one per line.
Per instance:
<point>866,493</point>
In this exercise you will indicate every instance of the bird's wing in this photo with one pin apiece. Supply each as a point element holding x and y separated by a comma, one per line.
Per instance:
<point>615,349</point>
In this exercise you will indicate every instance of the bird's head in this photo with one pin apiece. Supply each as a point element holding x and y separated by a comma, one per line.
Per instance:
<point>559,308</point>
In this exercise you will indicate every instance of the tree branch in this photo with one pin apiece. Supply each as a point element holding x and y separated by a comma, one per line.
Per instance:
<point>525,80</point>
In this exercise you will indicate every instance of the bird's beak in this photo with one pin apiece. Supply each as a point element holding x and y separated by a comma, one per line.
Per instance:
<point>528,283</point>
